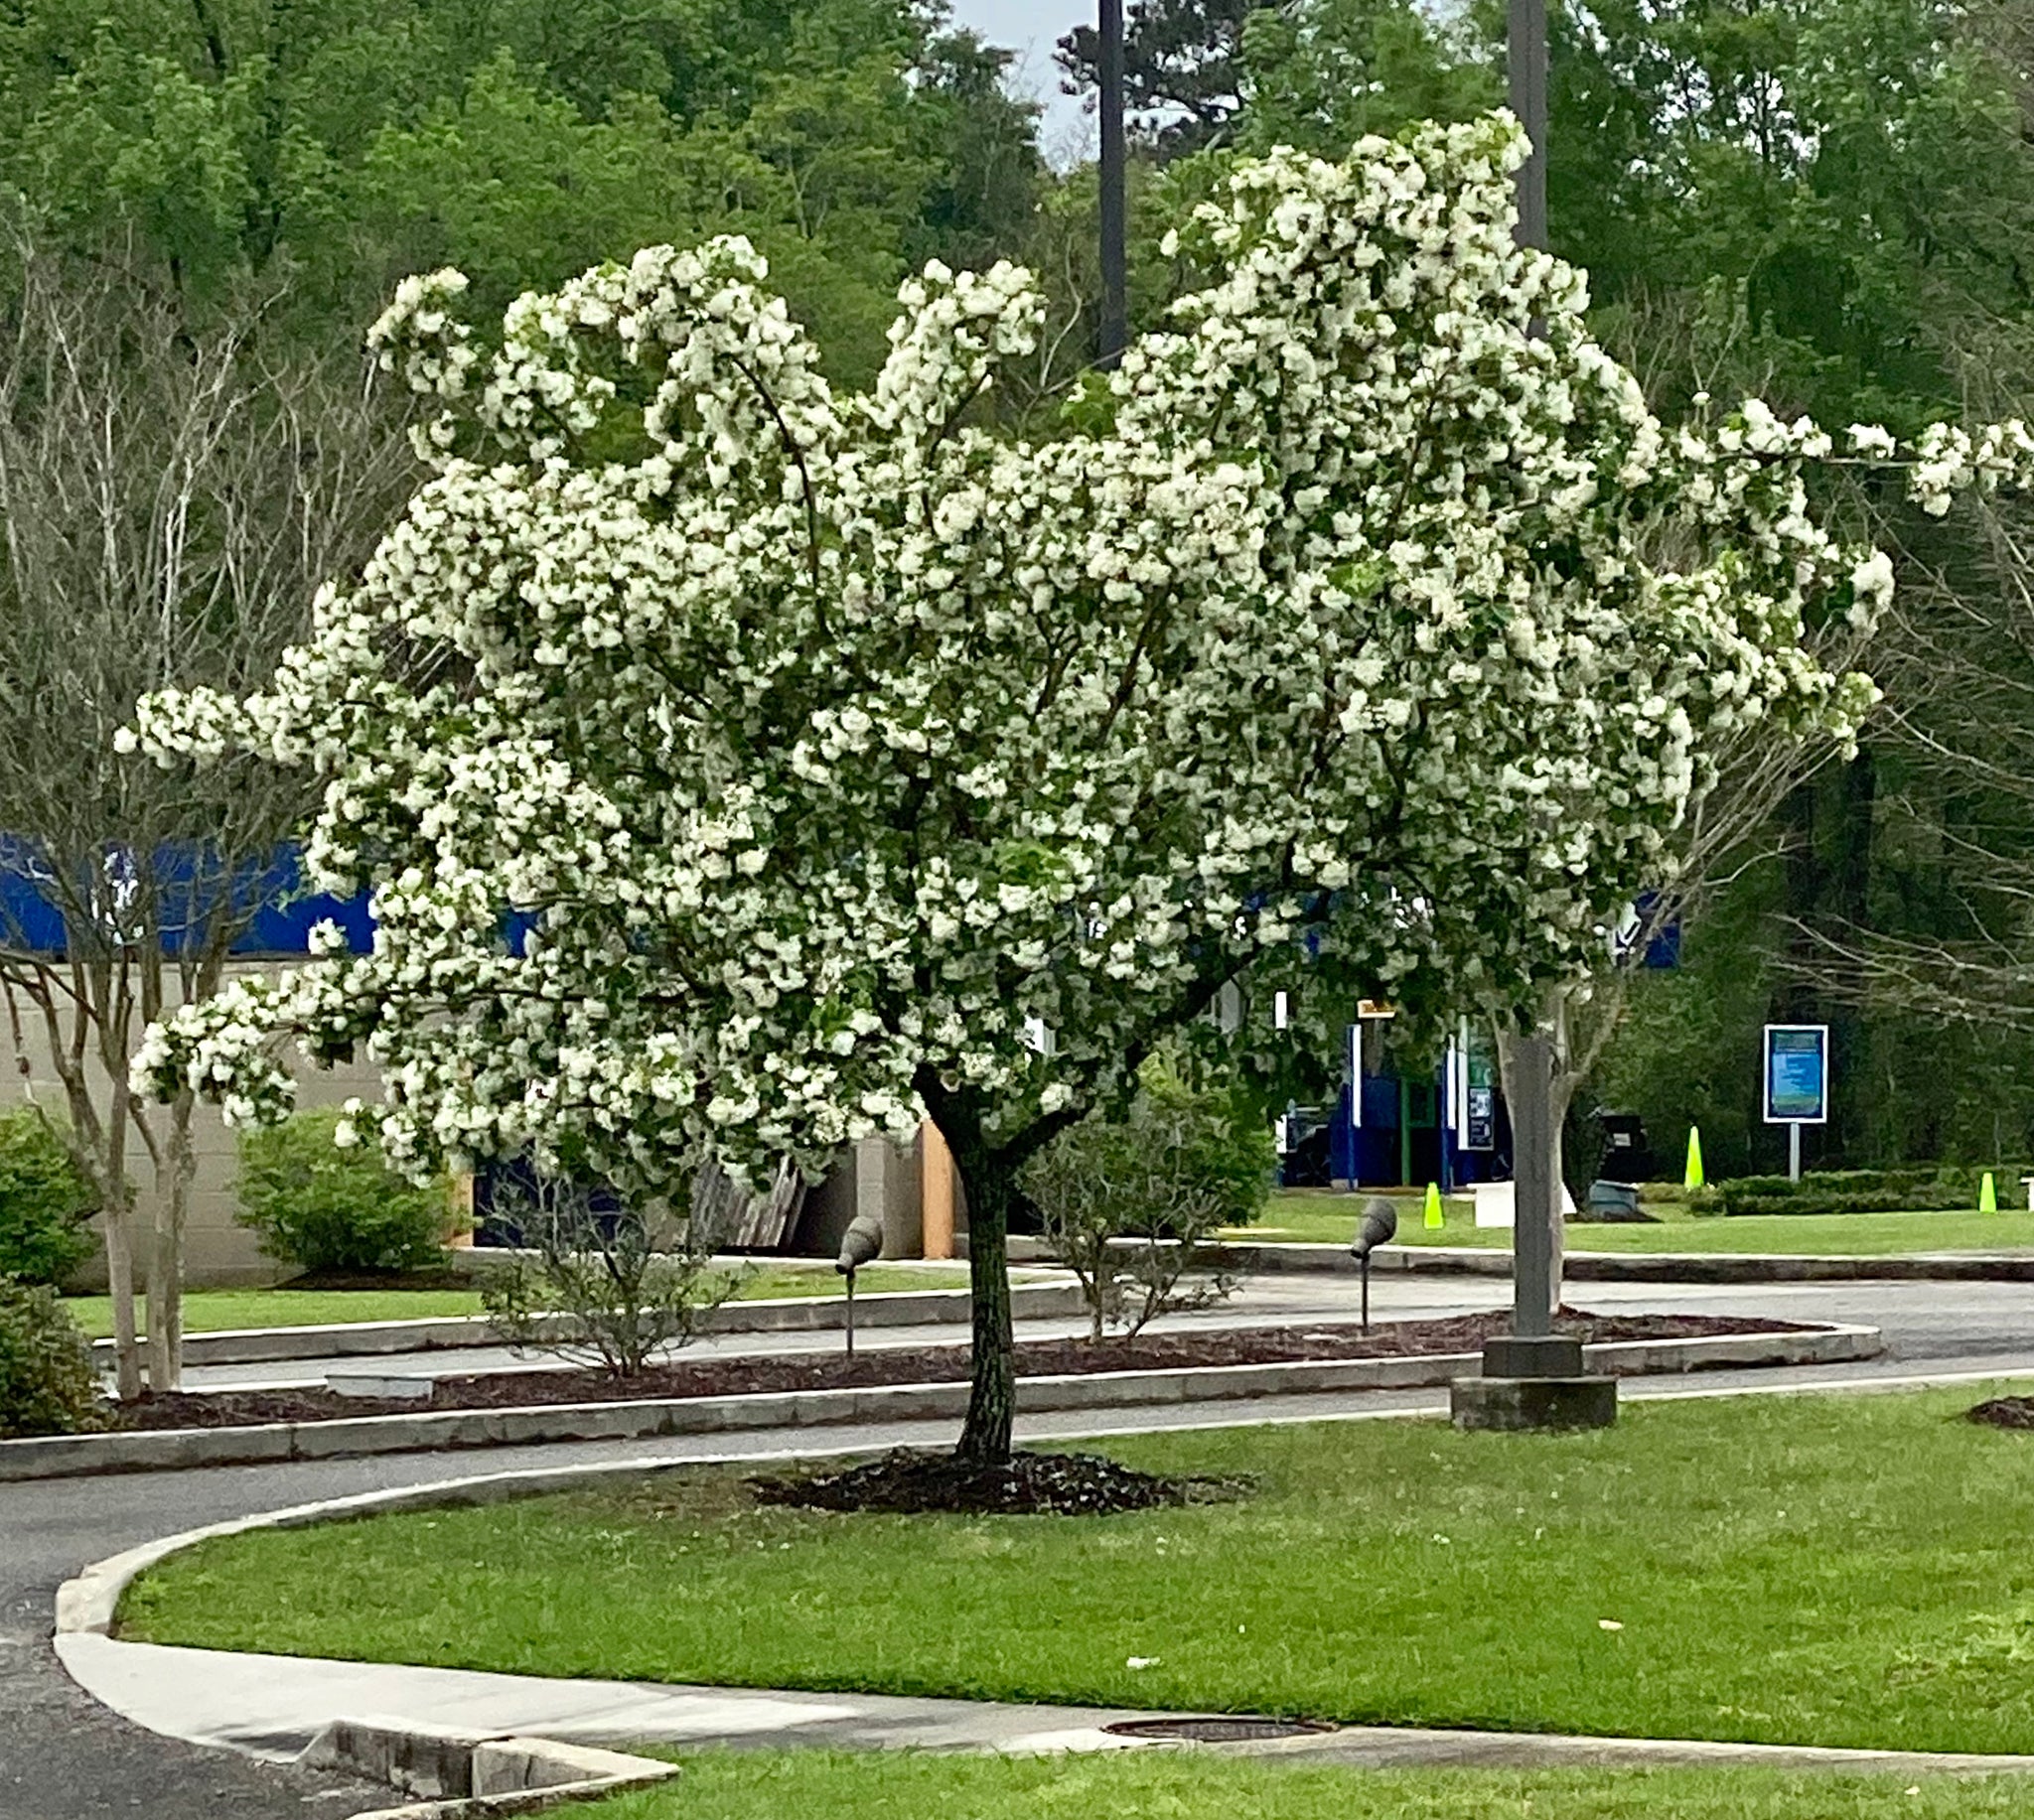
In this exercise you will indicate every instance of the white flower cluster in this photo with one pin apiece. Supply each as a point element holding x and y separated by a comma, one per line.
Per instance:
<point>822,749</point>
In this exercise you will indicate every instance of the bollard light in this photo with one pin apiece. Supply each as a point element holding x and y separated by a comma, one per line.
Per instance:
<point>861,1244</point>
<point>1380,1226</point>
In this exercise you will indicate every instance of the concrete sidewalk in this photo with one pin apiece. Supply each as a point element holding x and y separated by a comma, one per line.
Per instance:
<point>273,1706</point>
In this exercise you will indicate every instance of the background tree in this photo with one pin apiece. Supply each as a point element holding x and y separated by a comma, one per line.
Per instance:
<point>834,744</point>
<point>1183,70</point>
<point>349,144</point>
<point>170,497</point>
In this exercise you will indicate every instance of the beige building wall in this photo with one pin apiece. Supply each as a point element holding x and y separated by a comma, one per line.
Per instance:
<point>217,1249</point>
<point>872,1176</point>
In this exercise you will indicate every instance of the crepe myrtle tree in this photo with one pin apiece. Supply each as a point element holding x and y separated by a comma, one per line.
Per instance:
<point>823,743</point>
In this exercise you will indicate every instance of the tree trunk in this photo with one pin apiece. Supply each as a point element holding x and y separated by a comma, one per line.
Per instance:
<point>119,1216</point>
<point>990,1185</point>
<point>120,1283</point>
<point>165,1258</point>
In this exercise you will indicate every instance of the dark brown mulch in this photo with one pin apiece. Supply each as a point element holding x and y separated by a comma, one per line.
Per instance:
<point>713,1377</point>
<point>909,1483</point>
<point>2004,1412</point>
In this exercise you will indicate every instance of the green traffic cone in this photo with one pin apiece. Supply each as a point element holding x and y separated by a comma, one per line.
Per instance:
<point>1692,1176</point>
<point>1435,1220</point>
<point>1987,1194</point>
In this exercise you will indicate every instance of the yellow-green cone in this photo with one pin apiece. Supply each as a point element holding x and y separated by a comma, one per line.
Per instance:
<point>1692,1176</point>
<point>1987,1194</point>
<point>1435,1220</point>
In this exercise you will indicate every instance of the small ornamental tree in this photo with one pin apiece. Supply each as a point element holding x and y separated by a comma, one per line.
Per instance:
<point>820,743</point>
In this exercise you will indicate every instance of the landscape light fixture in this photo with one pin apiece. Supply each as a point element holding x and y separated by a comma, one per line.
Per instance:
<point>1380,1226</point>
<point>861,1244</point>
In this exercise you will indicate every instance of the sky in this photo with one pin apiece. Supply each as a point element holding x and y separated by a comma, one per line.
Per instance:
<point>1032,27</point>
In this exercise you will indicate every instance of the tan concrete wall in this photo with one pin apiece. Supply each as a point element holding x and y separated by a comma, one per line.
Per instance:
<point>873,1174</point>
<point>216,1250</point>
<point>876,1177</point>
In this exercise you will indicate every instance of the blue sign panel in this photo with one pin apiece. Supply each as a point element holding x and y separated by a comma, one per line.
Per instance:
<point>190,891</point>
<point>1796,1073</point>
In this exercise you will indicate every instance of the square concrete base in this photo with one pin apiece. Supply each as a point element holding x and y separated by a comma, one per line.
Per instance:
<point>1516,1403</point>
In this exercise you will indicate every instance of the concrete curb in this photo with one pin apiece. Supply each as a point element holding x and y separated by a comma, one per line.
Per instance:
<point>167,1450</point>
<point>1637,1267</point>
<point>463,1775</point>
<point>900,1308</point>
<point>87,1603</point>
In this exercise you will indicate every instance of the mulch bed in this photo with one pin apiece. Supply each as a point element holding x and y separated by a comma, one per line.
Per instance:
<point>715,1377</point>
<point>909,1483</point>
<point>2004,1412</point>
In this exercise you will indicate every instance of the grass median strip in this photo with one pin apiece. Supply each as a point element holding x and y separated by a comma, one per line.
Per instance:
<point>216,1310</point>
<point>1324,1219</point>
<point>1165,1786</point>
<point>1784,1570</point>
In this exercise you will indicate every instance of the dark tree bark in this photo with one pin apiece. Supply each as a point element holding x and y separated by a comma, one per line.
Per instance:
<point>990,1182</point>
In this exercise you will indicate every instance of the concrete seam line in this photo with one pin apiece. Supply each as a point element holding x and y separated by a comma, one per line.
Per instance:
<point>152,1450</point>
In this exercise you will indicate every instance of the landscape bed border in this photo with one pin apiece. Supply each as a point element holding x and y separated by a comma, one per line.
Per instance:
<point>170,1449</point>
<point>889,1308</point>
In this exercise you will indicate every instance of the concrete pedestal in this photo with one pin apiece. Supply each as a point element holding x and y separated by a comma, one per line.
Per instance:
<point>1532,1382</point>
<point>1516,1403</point>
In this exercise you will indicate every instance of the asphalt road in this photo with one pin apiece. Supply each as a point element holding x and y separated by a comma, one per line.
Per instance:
<point>62,1758</point>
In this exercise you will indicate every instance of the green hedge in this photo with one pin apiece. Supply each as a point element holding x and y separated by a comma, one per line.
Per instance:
<point>1923,1188</point>
<point>326,1208</point>
<point>47,1383</point>
<point>45,1205</point>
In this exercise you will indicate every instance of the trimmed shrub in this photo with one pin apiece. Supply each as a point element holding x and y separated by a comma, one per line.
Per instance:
<point>1922,1188</point>
<point>45,1204</point>
<point>48,1385</point>
<point>322,1207</point>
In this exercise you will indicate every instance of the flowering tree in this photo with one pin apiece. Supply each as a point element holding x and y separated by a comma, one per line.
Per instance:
<point>824,745</point>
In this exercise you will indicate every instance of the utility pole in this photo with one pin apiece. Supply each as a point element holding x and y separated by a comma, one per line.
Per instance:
<point>1532,1377</point>
<point>1115,324</point>
<point>1536,1233</point>
<point>1526,70</point>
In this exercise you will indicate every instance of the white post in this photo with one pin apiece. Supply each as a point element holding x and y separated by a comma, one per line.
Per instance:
<point>1794,1151</point>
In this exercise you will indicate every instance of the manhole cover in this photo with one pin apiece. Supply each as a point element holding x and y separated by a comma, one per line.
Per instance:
<point>1241,1731</point>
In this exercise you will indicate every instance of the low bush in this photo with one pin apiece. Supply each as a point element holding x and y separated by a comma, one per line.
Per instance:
<point>596,1282</point>
<point>326,1208</point>
<point>45,1204</point>
<point>48,1384</point>
<point>1129,1205</point>
<point>1922,1187</point>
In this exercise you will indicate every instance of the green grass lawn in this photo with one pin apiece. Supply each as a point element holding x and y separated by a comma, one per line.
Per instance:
<point>1314,1215</point>
<point>1170,1785</point>
<point>1811,1570</point>
<point>215,1310</point>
